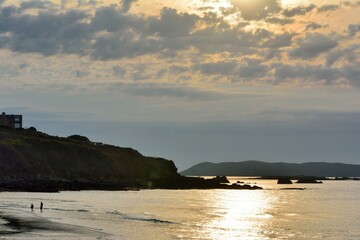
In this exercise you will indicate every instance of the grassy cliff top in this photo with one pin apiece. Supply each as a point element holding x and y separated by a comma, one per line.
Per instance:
<point>29,154</point>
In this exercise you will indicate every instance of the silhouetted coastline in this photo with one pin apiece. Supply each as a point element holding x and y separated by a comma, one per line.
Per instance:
<point>33,161</point>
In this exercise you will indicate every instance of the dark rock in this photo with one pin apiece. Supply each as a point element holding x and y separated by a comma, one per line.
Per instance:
<point>308,180</point>
<point>284,180</point>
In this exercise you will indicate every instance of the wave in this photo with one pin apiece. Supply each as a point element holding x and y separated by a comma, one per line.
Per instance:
<point>68,210</point>
<point>143,219</point>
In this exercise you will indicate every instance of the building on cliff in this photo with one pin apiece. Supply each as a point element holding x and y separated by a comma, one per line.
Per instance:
<point>11,121</point>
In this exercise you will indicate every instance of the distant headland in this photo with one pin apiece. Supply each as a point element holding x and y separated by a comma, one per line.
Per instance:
<point>34,161</point>
<point>276,170</point>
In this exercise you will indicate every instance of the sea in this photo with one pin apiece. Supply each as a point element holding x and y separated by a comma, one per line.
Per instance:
<point>319,211</point>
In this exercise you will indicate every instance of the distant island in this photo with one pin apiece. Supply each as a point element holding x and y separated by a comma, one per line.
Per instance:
<point>274,170</point>
<point>34,161</point>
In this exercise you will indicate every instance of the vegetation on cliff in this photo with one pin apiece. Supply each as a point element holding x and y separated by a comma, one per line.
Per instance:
<point>28,156</point>
<point>35,161</point>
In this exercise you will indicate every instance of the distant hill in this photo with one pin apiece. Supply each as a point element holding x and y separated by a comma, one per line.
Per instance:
<point>257,168</point>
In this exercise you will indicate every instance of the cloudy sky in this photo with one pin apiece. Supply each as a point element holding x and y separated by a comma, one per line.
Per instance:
<point>191,81</point>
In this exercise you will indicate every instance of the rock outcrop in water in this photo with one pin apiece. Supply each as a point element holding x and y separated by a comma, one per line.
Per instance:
<point>34,161</point>
<point>284,180</point>
<point>308,180</point>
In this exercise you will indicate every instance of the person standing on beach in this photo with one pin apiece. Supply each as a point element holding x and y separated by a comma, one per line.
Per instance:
<point>32,207</point>
<point>41,206</point>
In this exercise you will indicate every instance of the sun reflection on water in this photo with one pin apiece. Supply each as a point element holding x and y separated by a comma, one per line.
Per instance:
<point>240,214</point>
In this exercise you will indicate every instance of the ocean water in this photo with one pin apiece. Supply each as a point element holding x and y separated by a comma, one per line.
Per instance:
<point>322,211</point>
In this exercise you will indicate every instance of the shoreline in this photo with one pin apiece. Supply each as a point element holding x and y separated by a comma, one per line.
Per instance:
<point>12,223</point>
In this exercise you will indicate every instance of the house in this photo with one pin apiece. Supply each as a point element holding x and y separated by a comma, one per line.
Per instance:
<point>11,121</point>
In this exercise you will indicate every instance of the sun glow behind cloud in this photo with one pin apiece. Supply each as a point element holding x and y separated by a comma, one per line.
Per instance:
<point>184,61</point>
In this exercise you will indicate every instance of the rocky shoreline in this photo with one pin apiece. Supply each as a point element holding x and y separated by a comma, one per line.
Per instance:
<point>51,185</point>
<point>33,161</point>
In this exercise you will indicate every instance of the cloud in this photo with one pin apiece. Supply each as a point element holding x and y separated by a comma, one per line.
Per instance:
<point>312,45</point>
<point>349,53</point>
<point>165,91</point>
<point>285,72</point>
<point>216,68</point>
<point>278,40</point>
<point>279,21</point>
<point>45,33</point>
<point>126,4</point>
<point>299,10</point>
<point>172,24</point>
<point>177,69</point>
<point>314,26</point>
<point>351,3</point>
<point>178,43</point>
<point>353,29</point>
<point>122,45</point>
<point>318,74</point>
<point>37,4</point>
<point>256,9</point>
<point>81,74</point>
<point>328,7</point>
<point>119,71</point>
<point>250,69</point>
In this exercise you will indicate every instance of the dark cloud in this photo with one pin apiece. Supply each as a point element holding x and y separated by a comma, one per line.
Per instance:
<point>256,9</point>
<point>126,4</point>
<point>299,10</point>
<point>278,40</point>
<point>81,74</point>
<point>37,4</point>
<point>172,24</point>
<point>286,72</point>
<point>353,29</point>
<point>112,19</point>
<point>165,91</point>
<point>250,69</point>
<point>206,8</point>
<point>349,53</point>
<point>308,73</point>
<point>328,7</point>
<point>46,33</point>
<point>116,46</point>
<point>214,68</point>
<point>119,71</point>
<point>87,3</point>
<point>279,21</point>
<point>314,26</point>
<point>112,32</point>
<point>351,3</point>
<point>312,45</point>
<point>352,75</point>
<point>177,69</point>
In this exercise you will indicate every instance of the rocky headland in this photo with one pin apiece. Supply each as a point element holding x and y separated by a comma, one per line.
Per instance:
<point>34,161</point>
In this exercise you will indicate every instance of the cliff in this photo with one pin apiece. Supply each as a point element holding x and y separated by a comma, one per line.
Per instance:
<point>35,161</point>
<point>31,160</point>
<point>257,168</point>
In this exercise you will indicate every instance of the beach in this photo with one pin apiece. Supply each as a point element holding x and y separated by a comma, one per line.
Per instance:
<point>329,210</point>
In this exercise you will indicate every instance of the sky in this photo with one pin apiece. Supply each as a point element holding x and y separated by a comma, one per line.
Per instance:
<point>190,81</point>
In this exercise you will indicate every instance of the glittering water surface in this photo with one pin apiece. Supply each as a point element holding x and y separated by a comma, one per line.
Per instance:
<point>330,210</point>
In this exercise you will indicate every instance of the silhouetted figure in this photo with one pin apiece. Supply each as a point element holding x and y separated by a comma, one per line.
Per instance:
<point>41,206</point>
<point>32,207</point>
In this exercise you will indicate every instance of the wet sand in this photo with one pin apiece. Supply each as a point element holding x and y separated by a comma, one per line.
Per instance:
<point>29,225</point>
